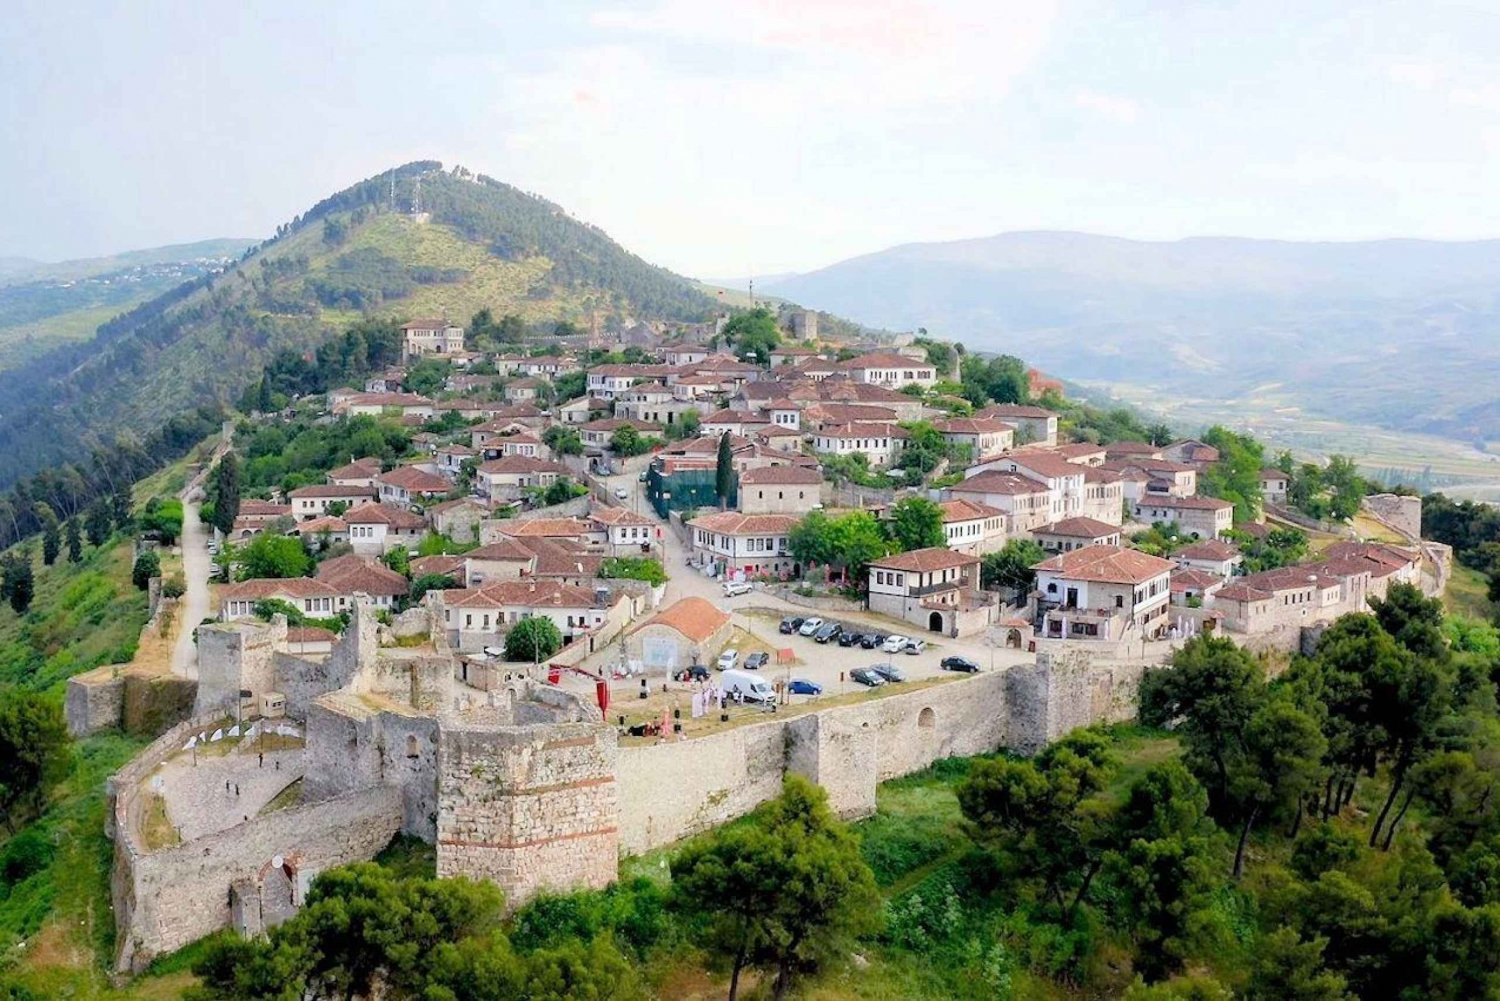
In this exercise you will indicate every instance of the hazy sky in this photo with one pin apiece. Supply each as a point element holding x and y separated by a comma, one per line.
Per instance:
<point>731,137</point>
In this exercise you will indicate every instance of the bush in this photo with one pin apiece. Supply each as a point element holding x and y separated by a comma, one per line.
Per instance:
<point>173,587</point>
<point>26,854</point>
<point>634,913</point>
<point>928,914</point>
<point>147,565</point>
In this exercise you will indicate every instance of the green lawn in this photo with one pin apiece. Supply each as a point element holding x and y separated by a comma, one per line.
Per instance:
<point>1468,594</point>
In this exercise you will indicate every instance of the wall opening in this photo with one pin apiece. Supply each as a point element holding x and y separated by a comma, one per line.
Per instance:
<point>412,749</point>
<point>926,718</point>
<point>935,622</point>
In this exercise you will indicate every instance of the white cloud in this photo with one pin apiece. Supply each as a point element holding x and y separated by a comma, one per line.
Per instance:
<point>1119,109</point>
<point>1415,73</point>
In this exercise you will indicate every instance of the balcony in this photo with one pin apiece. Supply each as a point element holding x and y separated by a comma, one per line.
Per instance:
<point>963,583</point>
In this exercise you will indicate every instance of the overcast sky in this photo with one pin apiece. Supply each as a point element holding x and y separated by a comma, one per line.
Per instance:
<point>734,137</point>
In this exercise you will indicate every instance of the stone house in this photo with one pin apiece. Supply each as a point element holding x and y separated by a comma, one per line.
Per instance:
<point>581,410</point>
<point>407,485</point>
<point>742,545</point>
<point>793,490</point>
<point>458,519</point>
<point>359,473</point>
<point>890,370</point>
<point>597,434</point>
<point>1026,503</point>
<point>1064,480</point>
<point>973,527</point>
<point>1103,495</point>
<point>688,631</point>
<point>1075,533</point>
<point>934,589</point>
<point>313,501</point>
<point>508,478</point>
<point>314,532</point>
<point>736,422</point>
<point>1034,425</point>
<point>449,459</point>
<point>478,617</point>
<point>1206,517</point>
<point>350,575</point>
<point>1212,555</point>
<point>375,404</point>
<point>1274,485</point>
<point>376,529</point>
<point>985,439</point>
<point>527,390</point>
<point>1191,451</point>
<point>431,336</point>
<point>624,532</point>
<point>1191,586</point>
<point>314,598</point>
<point>879,443</point>
<point>1102,593</point>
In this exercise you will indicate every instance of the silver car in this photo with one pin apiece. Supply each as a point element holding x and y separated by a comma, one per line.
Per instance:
<point>811,626</point>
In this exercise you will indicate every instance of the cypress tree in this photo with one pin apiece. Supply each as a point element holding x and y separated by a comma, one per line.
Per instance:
<point>75,541</point>
<point>724,472</point>
<point>51,542</point>
<point>226,493</point>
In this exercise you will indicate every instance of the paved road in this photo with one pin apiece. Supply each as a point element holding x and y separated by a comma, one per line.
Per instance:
<point>196,567</point>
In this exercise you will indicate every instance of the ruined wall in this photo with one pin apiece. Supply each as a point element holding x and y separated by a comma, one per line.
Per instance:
<point>1060,693</point>
<point>154,702</point>
<point>1404,514</point>
<point>422,681</point>
<point>234,656</point>
<point>530,808</point>
<point>164,900</point>
<point>351,746</point>
<point>95,701</point>
<point>301,680</point>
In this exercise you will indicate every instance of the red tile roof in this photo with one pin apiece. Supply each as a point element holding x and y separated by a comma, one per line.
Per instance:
<point>924,560</point>
<point>695,618</point>
<point>1106,565</point>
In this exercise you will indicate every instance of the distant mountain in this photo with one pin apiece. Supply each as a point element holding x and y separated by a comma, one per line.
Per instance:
<point>15,265</point>
<point>475,243</point>
<point>43,305</point>
<point>1398,333</point>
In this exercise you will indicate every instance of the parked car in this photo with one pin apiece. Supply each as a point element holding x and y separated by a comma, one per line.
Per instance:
<point>894,644</point>
<point>849,637</point>
<point>866,676</point>
<point>696,672</point>
<point>495,652</point>
<point>962,664</point>
<point>890,672</point>
<point>747,687</point>
<point>790,624</point>
<point>872,640</point>
<point>727,659</point>
<point>915,646</point>
<point>642,478</point>
<point>801,686</point>
<point>827,631</point>
<point>622,493</point>
<point>757,660</point>
<point>810,626</point>
<point>736,588</point>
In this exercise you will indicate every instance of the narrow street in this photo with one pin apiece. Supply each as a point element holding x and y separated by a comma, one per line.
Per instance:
<point>196,568</point>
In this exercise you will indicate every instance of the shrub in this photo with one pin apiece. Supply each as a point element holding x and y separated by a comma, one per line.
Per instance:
<point>26,854</point>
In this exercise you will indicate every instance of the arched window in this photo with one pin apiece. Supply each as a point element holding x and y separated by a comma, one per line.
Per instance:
<point>413,749</point>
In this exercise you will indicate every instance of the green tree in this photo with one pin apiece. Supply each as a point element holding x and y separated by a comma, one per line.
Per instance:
<point>787,894</point>
<point>399,560</point>
<point>1039,819</point>
<point>226,493</point>
<point>534,639</point>
<point>753,334</point>
<point>922,451</point>
<point>427,375</point>
<point>268,555</point>
<point>634,568</point>
<point>1001,379</point>
<point>33,745</point>
<point>724,471</point>
<point>19,584</point>
<point>163,516</point>
<point>686,426</point>
<point>1011,566</point>
<point>75,542</point>
<point>563,440</point>
<point>916,523</point>
<point>430,582</point>
<point>147,565</point>
<point>562,490</point>
<point>51,542</point>
<point>1236,475</point>
<point>627,441</point>
<point>1285,968</point>
<point>98,523</point>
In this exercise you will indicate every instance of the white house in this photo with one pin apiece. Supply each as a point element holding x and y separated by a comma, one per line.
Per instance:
<point>1026,502</point>
<point>744,544</point>
<point>1064,480</point>
<point>1034,425</point>
<point>880,443</point>
<point>973,526</point>
<point>1075,533</point>
<point>889,369</point>
<point>432,336</point>
<point>1103,593</point>
<point>313,501</point>
<point>311,597</point>
<point>934,589</point>
<point>377,529</point>
<point>408,485</point>
<point>985,439</point>
<point>781,490</point>
<point>1207,517</point>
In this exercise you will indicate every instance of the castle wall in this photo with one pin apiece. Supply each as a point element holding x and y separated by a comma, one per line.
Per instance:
<point>530,808</point>
<point>95,701</point>
<point>167,899</point>
<point>236,656</point>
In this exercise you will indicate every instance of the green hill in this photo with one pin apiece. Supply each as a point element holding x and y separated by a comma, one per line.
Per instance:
<point>477,243</point>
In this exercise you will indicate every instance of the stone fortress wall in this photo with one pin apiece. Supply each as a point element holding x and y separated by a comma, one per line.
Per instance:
<point>525,784</point>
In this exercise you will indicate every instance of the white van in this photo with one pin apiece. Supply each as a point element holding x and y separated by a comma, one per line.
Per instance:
<point>734,589</point>
<point>748,686</point>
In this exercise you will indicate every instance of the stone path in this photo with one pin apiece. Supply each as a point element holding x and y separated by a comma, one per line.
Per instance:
<point>196,568</point>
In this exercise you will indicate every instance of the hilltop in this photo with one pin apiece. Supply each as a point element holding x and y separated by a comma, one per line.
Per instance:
<point>476,242</point>
<point>1401,334</point>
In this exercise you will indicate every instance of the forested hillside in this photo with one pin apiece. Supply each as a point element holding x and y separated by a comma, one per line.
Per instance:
<point>476,243</point>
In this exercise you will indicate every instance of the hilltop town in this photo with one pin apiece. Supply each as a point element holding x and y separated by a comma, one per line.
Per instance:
<point>528,614</point>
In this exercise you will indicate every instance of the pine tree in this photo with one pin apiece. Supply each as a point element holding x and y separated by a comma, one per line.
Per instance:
<point>98,523</point>
<point>22,585</point>
<point>121,506</point>
<point>264,403</point>
<point>51,542</point>
<point>75,541</point>
<point>226,493</point>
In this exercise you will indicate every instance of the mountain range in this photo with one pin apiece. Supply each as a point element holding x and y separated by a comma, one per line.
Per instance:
<point>417,240</point>
<point>1403,334</point>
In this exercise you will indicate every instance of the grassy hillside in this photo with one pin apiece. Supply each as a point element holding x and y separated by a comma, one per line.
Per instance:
<point>479,243</point>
